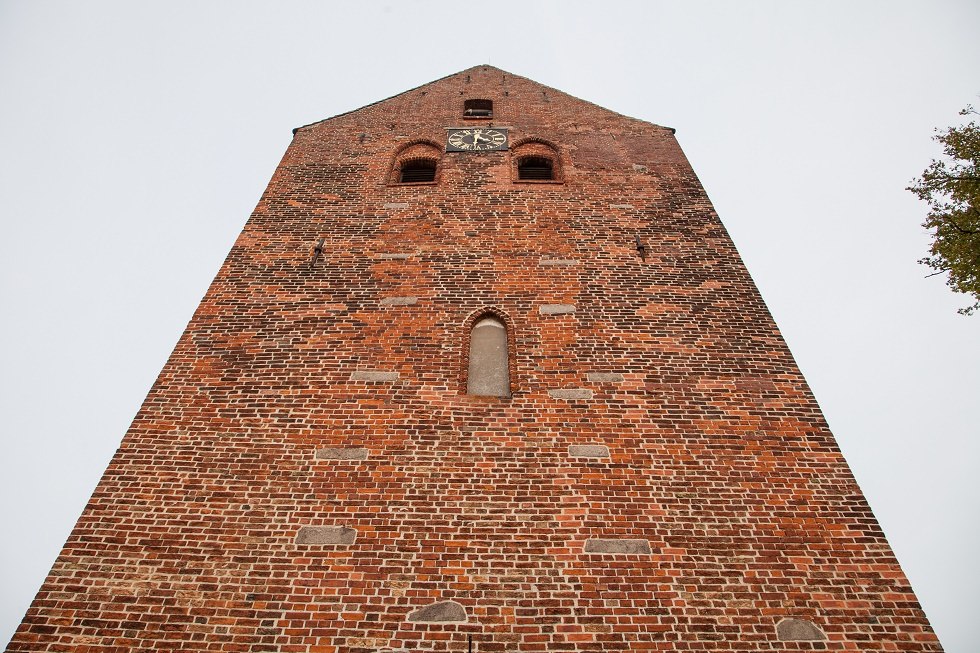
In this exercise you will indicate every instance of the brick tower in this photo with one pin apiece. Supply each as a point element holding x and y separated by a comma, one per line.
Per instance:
<point>483,372</point>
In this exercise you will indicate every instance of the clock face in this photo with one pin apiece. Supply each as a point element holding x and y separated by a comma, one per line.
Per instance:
<point>477,139</point>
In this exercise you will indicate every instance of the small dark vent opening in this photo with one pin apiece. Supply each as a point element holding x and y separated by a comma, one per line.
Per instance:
<point>535,168</point>
<point>478,109</point>
<point>418,171</point>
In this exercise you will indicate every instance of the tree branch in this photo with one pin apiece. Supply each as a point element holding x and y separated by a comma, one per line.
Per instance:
<point>968,232</point>
<point>948,177</point>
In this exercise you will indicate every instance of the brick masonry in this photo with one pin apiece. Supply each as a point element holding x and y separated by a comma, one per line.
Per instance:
<point>720,460</point>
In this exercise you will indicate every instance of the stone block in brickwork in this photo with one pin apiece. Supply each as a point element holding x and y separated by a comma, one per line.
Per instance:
<point>383,377</point>
<point>798,630</point>
<point>617,546</point>
<point>571,394</point>
<point>326,535</point>
<point>349,453</point>
<point>399,301</point>
<point>439,613</point>
<point>369,643</point>
<point>588,451</point>
<point>621,206</point>
<point>605,377</point>
<point>396,205</point>
<point>556,309</point>
<point>394,257</point>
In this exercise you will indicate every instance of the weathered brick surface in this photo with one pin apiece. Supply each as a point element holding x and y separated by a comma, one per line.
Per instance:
<point>719,458</point>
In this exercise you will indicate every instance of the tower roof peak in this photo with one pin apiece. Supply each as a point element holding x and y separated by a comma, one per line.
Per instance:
<point>484,68</point>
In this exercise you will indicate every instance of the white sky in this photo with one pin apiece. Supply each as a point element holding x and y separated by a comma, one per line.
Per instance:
<point>136,137</point>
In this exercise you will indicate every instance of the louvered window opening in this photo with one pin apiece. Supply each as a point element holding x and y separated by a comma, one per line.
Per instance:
<point>535,168</point>
<point>478,109</point>
<point>415,172</point>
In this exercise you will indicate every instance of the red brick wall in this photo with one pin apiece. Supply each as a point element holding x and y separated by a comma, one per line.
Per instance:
<point>719,457</point>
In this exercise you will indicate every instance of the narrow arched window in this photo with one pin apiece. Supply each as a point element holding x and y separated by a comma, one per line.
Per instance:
<point>488,372</point>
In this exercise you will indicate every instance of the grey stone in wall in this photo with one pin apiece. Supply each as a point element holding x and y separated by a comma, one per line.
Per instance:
<point>595,545</point>
<point>571,394</point>
<point>374,376</point>
<point>399,301</point>
<point>342,454</point>
<point>326,535</point>
<point>438,612</point>
<point>396,257</point>
<point>396,205</point>
<point>798,630</point>
<point>588,450</point>
<point>605,377</point>
<point>556,309</point>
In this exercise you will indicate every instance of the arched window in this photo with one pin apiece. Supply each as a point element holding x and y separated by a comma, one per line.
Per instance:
<point>416,163</point>
<point>488,373</point>
<point>536,161</point>
<point>416,171</point>
<point>537,168</point>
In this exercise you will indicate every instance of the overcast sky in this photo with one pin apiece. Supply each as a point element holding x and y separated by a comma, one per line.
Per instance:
<point>136,138</point>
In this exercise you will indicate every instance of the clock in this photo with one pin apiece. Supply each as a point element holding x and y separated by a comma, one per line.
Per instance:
<point>477,139</point>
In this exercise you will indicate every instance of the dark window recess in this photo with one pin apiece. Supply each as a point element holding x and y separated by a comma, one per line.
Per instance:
<point>478,109</point>
<point>535,168</point>
<point>418,171</point>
